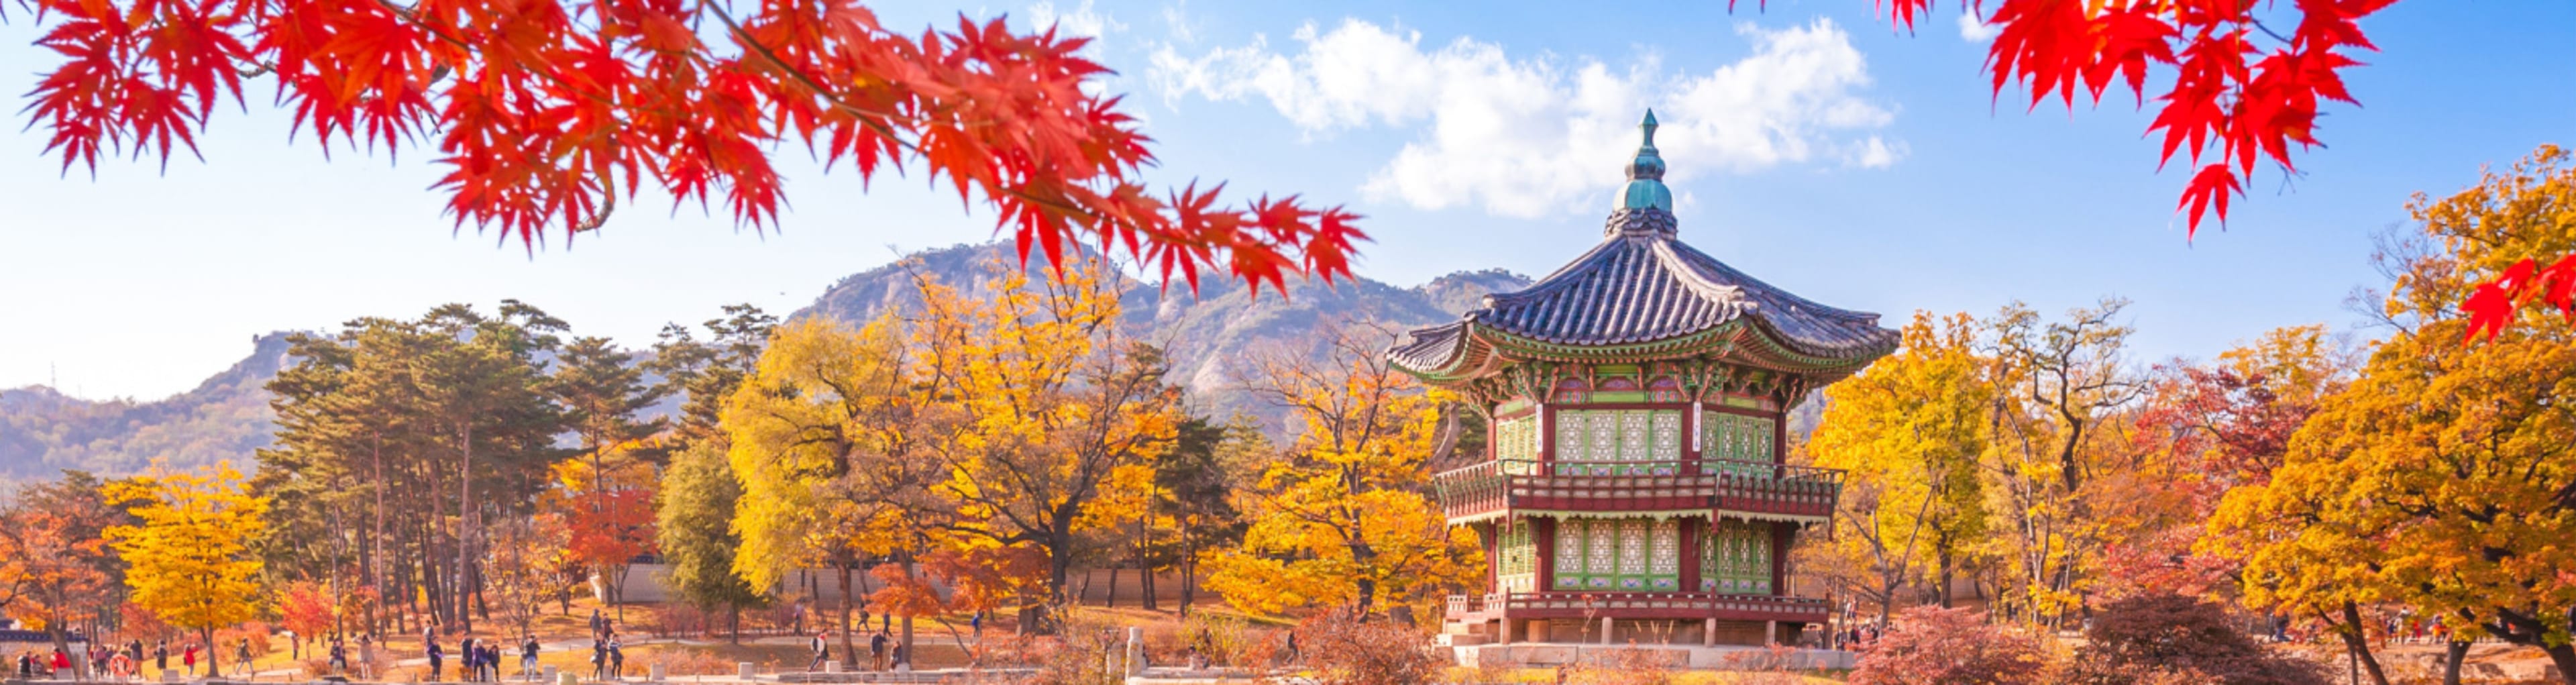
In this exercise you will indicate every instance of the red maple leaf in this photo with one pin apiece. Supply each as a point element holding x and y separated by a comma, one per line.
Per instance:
<point>546,113</point>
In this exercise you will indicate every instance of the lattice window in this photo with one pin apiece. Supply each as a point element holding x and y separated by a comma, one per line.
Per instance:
<point>1599,550</point>
<point>1632,547</point>
<point>1668,436</point>
<point>1569,549</point>
<point>1569,436</point>
<point>1518,554</point>
<point>1667,548</point>
<point>1604,430</point>
<point>1736,558</point>
<point>1633,443</point>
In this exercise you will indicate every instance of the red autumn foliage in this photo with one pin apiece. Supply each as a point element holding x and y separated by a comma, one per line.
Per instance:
<point>988,578</point>
<point>1930,645</point>
<point>608,528</point>
<point>2173,638</point>
<point>2490,307</point>
<point>308,609</point>
<point>544,112</point>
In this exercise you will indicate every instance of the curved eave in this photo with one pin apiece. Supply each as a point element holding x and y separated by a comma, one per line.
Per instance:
<point>1478,351</point>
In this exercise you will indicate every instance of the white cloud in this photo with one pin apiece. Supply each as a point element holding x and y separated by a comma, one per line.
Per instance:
<point>1082,21</point>
<point>1541,134</point>
<point>1177,17</point>
<point>1976,30</point>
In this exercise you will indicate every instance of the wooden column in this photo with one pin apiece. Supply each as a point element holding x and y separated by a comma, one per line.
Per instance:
<point>1543,536</point>
<point>1779,558</point>
<point>1693,532</point>
<point>1493,531</point>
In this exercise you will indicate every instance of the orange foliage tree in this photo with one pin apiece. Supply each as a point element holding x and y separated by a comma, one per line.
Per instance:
<point>308,610</point>
<point>609,514</point>
<point>54,562</point>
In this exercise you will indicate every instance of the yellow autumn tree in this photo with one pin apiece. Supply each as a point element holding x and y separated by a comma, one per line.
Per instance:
<point>808,432</point>
<point>187,556</point>
<point>1341,520</point>
<point>2440,478</point>
<point>1909,431</point>
<point>1037,406</point>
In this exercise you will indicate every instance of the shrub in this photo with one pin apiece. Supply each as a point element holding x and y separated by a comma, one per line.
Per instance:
<point>1229,641</point>
<point>2136,640</point>
<point>1347,650</point>
<point>1935,646</point>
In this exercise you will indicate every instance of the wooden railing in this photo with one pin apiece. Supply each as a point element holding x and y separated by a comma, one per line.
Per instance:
<point>1715,484</point>
<point>1666,605</point>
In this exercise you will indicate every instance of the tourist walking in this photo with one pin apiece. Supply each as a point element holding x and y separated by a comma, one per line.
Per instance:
<point>616,658</point>
<point>528,658</point>
<point>339,657</point>
<point>877,651</point>
<point>160,657</point>
<point>822,649</point>
<point>437,660</point>
<point>188,658</point>
<point>598,658</point>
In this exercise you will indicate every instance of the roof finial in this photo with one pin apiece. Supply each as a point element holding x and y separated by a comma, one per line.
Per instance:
<point>1646,174</point>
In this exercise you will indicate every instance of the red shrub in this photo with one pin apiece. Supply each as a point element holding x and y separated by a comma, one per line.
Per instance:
<point>1936,646</point>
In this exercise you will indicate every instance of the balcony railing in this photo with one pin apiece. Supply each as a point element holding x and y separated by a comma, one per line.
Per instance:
<point>1722,485</point>
<point>1662,605</point>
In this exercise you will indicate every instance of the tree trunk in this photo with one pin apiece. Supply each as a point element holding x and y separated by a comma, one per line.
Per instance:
<point>209,642</point>
<point>2357,641</point>
<point>735,621</point>
<point>849,649</point>
<point>2452,654</point>
<point>80,662</point>
<point>1189,575</point>
<point>465,521</point>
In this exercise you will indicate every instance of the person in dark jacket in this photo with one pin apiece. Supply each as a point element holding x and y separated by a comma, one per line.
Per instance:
<point>437,659</point>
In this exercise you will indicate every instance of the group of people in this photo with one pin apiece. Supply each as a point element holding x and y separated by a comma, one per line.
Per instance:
<point>883,653</point>
<point>365,666</point>
<point>478,661</point>
<point>107,661</point>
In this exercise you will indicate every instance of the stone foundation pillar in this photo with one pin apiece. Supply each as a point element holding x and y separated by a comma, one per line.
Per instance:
<point>1708,633</point>
<point>1606,626</point>
<point>1770,633</point>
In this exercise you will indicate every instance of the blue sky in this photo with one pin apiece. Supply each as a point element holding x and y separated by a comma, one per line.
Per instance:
<point>1811,145</point>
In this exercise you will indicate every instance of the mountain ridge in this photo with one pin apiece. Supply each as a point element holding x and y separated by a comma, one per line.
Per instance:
<point>227,417</point>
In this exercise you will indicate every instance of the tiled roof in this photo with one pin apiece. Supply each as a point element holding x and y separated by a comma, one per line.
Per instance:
<point>1642,285</point>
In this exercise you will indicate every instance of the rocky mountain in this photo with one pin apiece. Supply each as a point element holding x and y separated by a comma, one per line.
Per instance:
<point>1206,333</point>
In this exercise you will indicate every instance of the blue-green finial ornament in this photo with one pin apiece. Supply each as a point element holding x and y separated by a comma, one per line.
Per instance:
<point>1646,175</point>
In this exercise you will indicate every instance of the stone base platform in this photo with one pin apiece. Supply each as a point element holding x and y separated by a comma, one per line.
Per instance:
<point>1720,658</point>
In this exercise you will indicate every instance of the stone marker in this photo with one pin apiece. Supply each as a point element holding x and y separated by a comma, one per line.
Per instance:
<point>746,671</point>
<point>657,673</point>
<point>1135,650</point>
<point>567,678</point>
<point>831,666</point>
